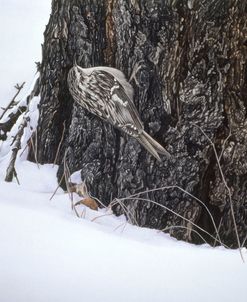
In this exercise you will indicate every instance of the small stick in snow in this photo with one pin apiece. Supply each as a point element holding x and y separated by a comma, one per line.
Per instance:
<point>100,216</point>
<point>17,146</point>
<point>119,226</point>
<point>34,150</point>
<point>58,186</point>
<point>59,146</point>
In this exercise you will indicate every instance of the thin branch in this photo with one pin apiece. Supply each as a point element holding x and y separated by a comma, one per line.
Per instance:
<point>100,216</point>
<point>99,201</point>
<point>178,215</point>
<point>219,227</point>
<point>183,227</point>
<point>126,211</point>
<point>184,191</point>
<point>67,179</point>
<point>12,102</point>
<point>119,226</point>
<point>34,150</point>
<point>227,188</point>
<point>244,241</point>
<point>58,186</point>
<point>17,146</point>
<point>59,145</point>
<point>22,152</point>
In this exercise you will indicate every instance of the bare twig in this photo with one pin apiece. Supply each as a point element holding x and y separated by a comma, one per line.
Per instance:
<point>12,102</point>
<point>130,216</point>
<point>34,151</point>
<point>219,227</point>
<point>99,201</point>
<point>22,152</point>
<point>16,176</point>
<point>76,212</point>
<point>57,187</point>
<point>59,145</point>
<point>244,241</point>
<point>67,180</point>
<point>178,215</point>
<point>184,191</point>
<point>100,216</point>
<point>17,146</point>
<point>183,227</point>
<point>227,188</point>
<point>119,226</point>
<point>67,176</point>
<point>83,213</point>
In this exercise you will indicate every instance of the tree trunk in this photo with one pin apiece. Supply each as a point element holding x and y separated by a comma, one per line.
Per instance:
<point>188,65</point>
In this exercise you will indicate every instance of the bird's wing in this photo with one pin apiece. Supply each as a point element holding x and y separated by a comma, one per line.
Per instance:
<point>121,109</point>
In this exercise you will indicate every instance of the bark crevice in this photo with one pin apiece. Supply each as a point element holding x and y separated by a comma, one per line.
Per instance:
<point>187,64</point>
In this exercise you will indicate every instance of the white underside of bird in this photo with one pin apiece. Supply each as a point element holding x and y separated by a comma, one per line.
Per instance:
<point>105,92</point>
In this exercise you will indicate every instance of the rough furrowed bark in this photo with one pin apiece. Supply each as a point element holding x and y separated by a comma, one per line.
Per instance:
<point>187,63</point>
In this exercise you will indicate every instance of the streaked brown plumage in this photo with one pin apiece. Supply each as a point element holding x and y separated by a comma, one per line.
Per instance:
<point>105,92</point>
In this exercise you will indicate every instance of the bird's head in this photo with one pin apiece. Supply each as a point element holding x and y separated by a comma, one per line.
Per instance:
<point>76,73</point>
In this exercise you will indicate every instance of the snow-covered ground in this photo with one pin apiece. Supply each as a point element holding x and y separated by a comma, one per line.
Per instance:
<point>48,254</point>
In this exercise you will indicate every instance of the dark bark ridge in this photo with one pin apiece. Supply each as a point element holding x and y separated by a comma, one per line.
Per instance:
<point>189,63</point>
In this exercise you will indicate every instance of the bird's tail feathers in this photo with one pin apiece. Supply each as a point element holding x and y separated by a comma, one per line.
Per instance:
<point>152,146</point>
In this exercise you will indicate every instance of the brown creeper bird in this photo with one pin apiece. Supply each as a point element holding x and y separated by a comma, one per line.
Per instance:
<point>105,92</point>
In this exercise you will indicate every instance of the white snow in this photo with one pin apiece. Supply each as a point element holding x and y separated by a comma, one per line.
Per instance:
<point>48,254</point>
<point>22,23</point>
